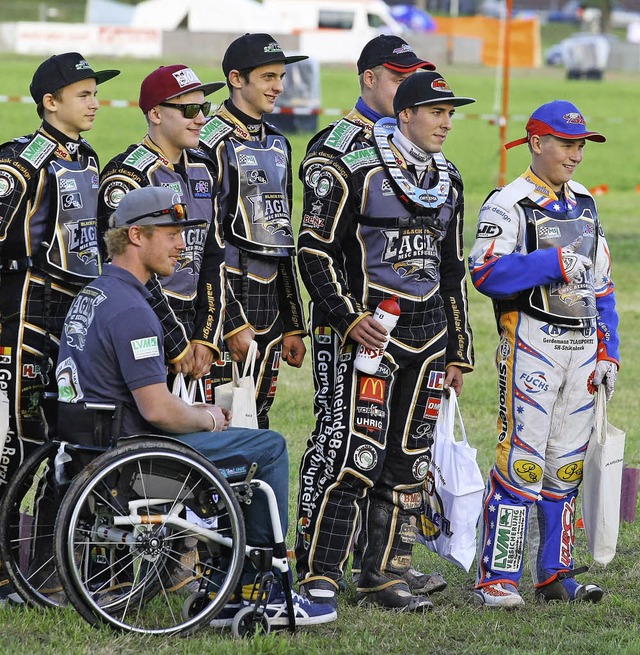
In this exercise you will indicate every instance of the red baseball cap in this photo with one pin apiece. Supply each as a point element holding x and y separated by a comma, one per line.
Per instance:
<point>169,82</point>
<point>559,118</point>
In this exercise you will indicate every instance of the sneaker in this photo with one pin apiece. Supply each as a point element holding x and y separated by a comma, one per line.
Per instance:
<point>306,612</point>
<point>396,596</point>
<point>424,583</point>
<point>321,590</point>
<point>9,597</point>
<point>568,590</point>
<point>501,594</point>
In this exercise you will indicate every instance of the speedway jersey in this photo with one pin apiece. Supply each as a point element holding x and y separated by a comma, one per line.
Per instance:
<point>48,190</point>
<point>516,257</point>
<point>359,243</point>
<point>195,289</point>
<point>254,177</point>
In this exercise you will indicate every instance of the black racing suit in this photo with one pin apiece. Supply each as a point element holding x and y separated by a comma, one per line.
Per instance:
<point>359,243</point>
<point>195,291</point>
<point>254,204</point>
<point>48,252</point>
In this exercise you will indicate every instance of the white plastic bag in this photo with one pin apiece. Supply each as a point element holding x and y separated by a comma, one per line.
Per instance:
<point>239,395</point>
<point>602,484</point>
<point>4,419</point>
<point>454,491</point>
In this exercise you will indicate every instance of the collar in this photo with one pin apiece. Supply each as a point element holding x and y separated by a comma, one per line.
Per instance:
<point>253,126</point>
<point>366,111</point>
<point>67,147</point>
<point>544,196</point>
<point>147,142</point>
<point>122,274</point>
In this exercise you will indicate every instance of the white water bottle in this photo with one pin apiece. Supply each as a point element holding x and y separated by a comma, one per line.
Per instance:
<point>387,314</point>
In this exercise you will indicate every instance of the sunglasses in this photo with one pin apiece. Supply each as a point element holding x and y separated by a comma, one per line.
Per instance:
<point>178,213</point>
<point>190,110</point>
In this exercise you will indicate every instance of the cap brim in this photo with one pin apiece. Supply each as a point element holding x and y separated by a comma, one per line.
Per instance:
<point>589,136</point>
<point>410,68</point>
<point>457,101</point>
<point>294,58</point>
<point>153,220</point>
<point>103,76</point>
<point>207,89</point>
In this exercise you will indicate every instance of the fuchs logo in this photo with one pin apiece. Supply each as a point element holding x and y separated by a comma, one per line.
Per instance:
<point>81,315</point>
<point>402,49</point>
<point>440,85</point>
<point>535,382</point>
<point>573,118</point>
<point>186,77</point>
<point>272,47</point>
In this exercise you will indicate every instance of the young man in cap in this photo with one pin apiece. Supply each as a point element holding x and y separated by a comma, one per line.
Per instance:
<point>48,242</point>
<point>172,98</point>
<point>389,221</point>
<point>541,255</point>
<point>255,200</point>
<point>99,363</point>
<point>384,63</point>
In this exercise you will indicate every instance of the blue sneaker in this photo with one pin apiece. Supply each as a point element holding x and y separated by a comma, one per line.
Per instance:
<point>305,611</point>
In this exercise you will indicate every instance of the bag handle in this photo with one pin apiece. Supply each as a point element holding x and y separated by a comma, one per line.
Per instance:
<point>453,409</point>
<point>600,423</point>
<point>194,388</point>
<point>181,390</point>
<point>249,364</point>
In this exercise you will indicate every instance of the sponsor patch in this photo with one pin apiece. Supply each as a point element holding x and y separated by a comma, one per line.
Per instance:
<point>314,222</point>
<point>200,188</point>
<point>488,231</point>
<point>341,135</point>
<point>365,457</point>
<point>71,201</point>
<point>548,232</point>
<point>529,471</point>
<point>69,389</point>
<point>433,407</point>
<point>359,158</point>
<point>113,193</point>
<point>509,538</point>
<point>7,183</point>
<point>145,348</point>
<point>5,354</point>
<point>176,187</point>
<point>31,371</point>
<point>67,184</point>
<point>81,315</point>
<point>570,472</point>
<point>372,389</point>
<point>247,160</point>
<point>140,158</point>
<point>256,176</point>
<point>185,77</point>
<point>38,150</point>
<point>323,334</point>
<point>436,380</point>
<point>420,468</point>
<point>323,184</point>
<point>411,501</point>
<point>535,382</point>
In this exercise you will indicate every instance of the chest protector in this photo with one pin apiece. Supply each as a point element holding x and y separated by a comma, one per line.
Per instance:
<point>73,246</point>
<point>259,173</point>
<point>572,304</point>
<point>196,193</point>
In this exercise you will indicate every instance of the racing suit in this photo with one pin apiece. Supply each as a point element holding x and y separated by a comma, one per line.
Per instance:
<point>254,204</point>
<point>360,243</point>
<point>194,293</point>
<point>48,251</point>
<point>552,331</point>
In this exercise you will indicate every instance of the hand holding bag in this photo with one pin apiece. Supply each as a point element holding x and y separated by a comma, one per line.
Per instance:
<point>602,484</point>
<point>239,395</point>
<point>454,491</point>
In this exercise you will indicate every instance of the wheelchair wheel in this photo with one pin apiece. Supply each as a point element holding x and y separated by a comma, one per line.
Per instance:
<point>27,517</point>
<point>136,523</point>
<point>249,622</point>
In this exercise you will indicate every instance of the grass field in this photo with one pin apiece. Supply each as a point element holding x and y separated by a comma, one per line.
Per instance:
<point>455,627</point>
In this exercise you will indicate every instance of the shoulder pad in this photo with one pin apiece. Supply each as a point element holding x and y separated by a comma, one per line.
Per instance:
<point>198,153</point>
<point>360,158</point>
<point>510,195</point>
<point>35,150</point>
<point>272,129</point>
<point>139,158</point>
<point>453,171</point>
<point>341,137</point>
<point>576,187</point>
<point>214,131</point>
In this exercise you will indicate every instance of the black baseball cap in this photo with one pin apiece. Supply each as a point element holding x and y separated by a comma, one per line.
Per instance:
<point>61,70</point>
<point>151,205</point>
<point>426,88</point>
<point>253,50</point>
<point>393,53</point>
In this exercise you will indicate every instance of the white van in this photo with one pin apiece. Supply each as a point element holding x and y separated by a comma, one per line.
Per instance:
<point>334,31</point>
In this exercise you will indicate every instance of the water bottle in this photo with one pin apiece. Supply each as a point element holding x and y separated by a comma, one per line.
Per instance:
<point>387,314</point>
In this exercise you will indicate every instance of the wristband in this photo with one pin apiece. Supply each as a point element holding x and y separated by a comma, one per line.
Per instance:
<point>213,418</point>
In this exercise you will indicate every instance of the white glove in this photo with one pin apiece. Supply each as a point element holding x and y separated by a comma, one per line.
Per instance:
<point>574,264</point>
<point>606,372</point>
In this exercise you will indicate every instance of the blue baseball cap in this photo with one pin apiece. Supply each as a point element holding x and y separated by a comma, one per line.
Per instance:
<point>559,118</point>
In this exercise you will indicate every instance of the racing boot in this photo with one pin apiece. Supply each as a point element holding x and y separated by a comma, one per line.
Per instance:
<point>391,525</point>
<point>566,588</point>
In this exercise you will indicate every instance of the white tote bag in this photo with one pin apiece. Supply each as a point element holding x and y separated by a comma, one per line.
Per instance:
<point>602,485</point>
<point>239,395</point>
<point>454,490</point>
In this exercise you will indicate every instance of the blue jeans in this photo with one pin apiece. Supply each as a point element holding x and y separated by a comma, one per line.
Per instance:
<point>241,447</point>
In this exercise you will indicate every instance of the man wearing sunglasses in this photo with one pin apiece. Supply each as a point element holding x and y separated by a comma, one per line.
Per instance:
<point>48,244</point>
<point>255,197</point>
<point>172,99</point>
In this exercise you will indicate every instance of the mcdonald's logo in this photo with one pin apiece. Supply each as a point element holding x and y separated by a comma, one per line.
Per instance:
<point>372,389</point>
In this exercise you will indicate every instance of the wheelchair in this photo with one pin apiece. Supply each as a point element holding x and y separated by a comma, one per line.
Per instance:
<point>146,535</point>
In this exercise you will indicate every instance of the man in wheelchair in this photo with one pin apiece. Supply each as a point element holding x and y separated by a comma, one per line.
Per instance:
<point>111,351</point>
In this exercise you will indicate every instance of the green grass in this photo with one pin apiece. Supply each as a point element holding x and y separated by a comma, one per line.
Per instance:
<point>455,627</point>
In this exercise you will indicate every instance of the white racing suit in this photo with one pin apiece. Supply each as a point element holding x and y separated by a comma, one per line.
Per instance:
<point>552,332</point>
